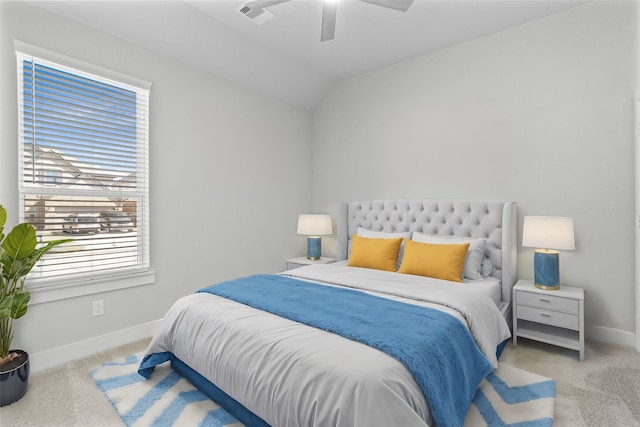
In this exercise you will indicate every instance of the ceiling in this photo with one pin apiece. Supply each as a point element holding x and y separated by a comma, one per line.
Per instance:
<point>284,58</point>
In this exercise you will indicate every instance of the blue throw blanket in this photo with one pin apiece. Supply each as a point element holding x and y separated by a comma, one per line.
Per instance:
<point>434,346</point>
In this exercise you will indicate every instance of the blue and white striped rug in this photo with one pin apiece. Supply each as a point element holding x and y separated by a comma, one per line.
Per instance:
<point>508,396</point>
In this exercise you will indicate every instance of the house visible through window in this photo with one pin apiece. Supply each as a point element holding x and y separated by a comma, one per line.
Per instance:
<point>83,169</point>
<point>50,177</point>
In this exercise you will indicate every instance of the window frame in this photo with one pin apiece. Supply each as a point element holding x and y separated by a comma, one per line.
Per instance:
<point>45,290</point>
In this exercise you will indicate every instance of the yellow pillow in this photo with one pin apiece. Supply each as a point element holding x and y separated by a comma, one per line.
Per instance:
<point>434,260</point>
<point>379,254</point>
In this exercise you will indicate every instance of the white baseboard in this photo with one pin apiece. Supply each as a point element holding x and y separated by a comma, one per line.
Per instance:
<point>57,356</point>
<point>611,336</point>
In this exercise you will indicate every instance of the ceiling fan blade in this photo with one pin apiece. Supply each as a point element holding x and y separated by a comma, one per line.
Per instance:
<point>401,5</point>
<point>261,4</point>
<point>329,10</point>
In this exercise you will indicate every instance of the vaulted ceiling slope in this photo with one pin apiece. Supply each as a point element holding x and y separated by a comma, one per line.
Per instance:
<point>284,57</point>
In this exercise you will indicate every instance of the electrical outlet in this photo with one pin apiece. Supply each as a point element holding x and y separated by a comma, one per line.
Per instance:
<point>98,308</point>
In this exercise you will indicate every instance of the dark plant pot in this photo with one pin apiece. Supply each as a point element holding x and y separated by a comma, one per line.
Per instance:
<point>14,382</point>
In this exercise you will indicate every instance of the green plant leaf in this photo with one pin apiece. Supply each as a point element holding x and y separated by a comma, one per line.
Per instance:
<point>10,266</point>
<point>3,221</point>
<point>15,305</point>
<point>5,306</point>
<point>20,253</point>
<point>21,241</point>
<point>26,264</point>
<point>19,304</point>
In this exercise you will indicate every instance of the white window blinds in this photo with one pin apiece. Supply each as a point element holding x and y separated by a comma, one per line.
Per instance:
<point>83,165</point>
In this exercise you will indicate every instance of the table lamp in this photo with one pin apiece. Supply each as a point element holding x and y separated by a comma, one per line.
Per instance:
<point>314,226</point>
<point>552,233</point>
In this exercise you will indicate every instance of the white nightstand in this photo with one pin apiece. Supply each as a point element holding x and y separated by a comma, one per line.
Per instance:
<point>552,317</point>
<point>302,261</point>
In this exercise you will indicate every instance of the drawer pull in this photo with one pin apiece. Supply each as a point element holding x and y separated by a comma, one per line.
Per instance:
<point>545,300</point>
<point>545,315</point>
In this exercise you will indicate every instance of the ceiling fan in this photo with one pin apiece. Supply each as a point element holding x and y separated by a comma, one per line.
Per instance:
<point>329,11</point>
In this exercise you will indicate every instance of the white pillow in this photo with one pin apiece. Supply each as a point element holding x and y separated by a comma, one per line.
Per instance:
<point>363,232</point>
<point>473,262</point>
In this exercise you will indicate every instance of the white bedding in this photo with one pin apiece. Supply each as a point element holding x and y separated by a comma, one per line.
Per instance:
<point>489,286</point>
<point>290,374</point>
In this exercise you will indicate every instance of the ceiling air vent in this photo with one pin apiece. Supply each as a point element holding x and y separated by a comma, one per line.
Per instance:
<point>259,16</point>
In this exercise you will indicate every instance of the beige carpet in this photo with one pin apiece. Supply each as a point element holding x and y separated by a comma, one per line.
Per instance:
<point>604,390</point>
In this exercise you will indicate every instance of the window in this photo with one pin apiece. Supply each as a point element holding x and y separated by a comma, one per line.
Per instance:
<point>83,162</point>
<point>49,177</point>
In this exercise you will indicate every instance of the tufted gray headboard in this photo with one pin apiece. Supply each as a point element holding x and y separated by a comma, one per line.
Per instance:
<point>492,220</point>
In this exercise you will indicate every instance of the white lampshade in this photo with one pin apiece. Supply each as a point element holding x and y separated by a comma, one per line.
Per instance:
<point>314,225</point>
<point>548,232</point>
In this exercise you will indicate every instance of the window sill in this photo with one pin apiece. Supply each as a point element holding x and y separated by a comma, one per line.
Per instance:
<point>77,289</point>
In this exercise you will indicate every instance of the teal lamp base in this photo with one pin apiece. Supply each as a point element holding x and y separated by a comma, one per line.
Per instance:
<point>314,248</point>
<point>546,265</point>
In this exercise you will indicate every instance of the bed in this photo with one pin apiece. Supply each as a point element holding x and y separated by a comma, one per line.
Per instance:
<point>346,344</point>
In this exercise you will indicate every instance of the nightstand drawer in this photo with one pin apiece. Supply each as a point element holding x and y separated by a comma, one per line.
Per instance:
<point>548,317</point>
<point>548,302</point>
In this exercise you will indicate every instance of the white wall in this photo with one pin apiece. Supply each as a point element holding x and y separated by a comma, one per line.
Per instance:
<point>229,175</point>
<point>540,114</point>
